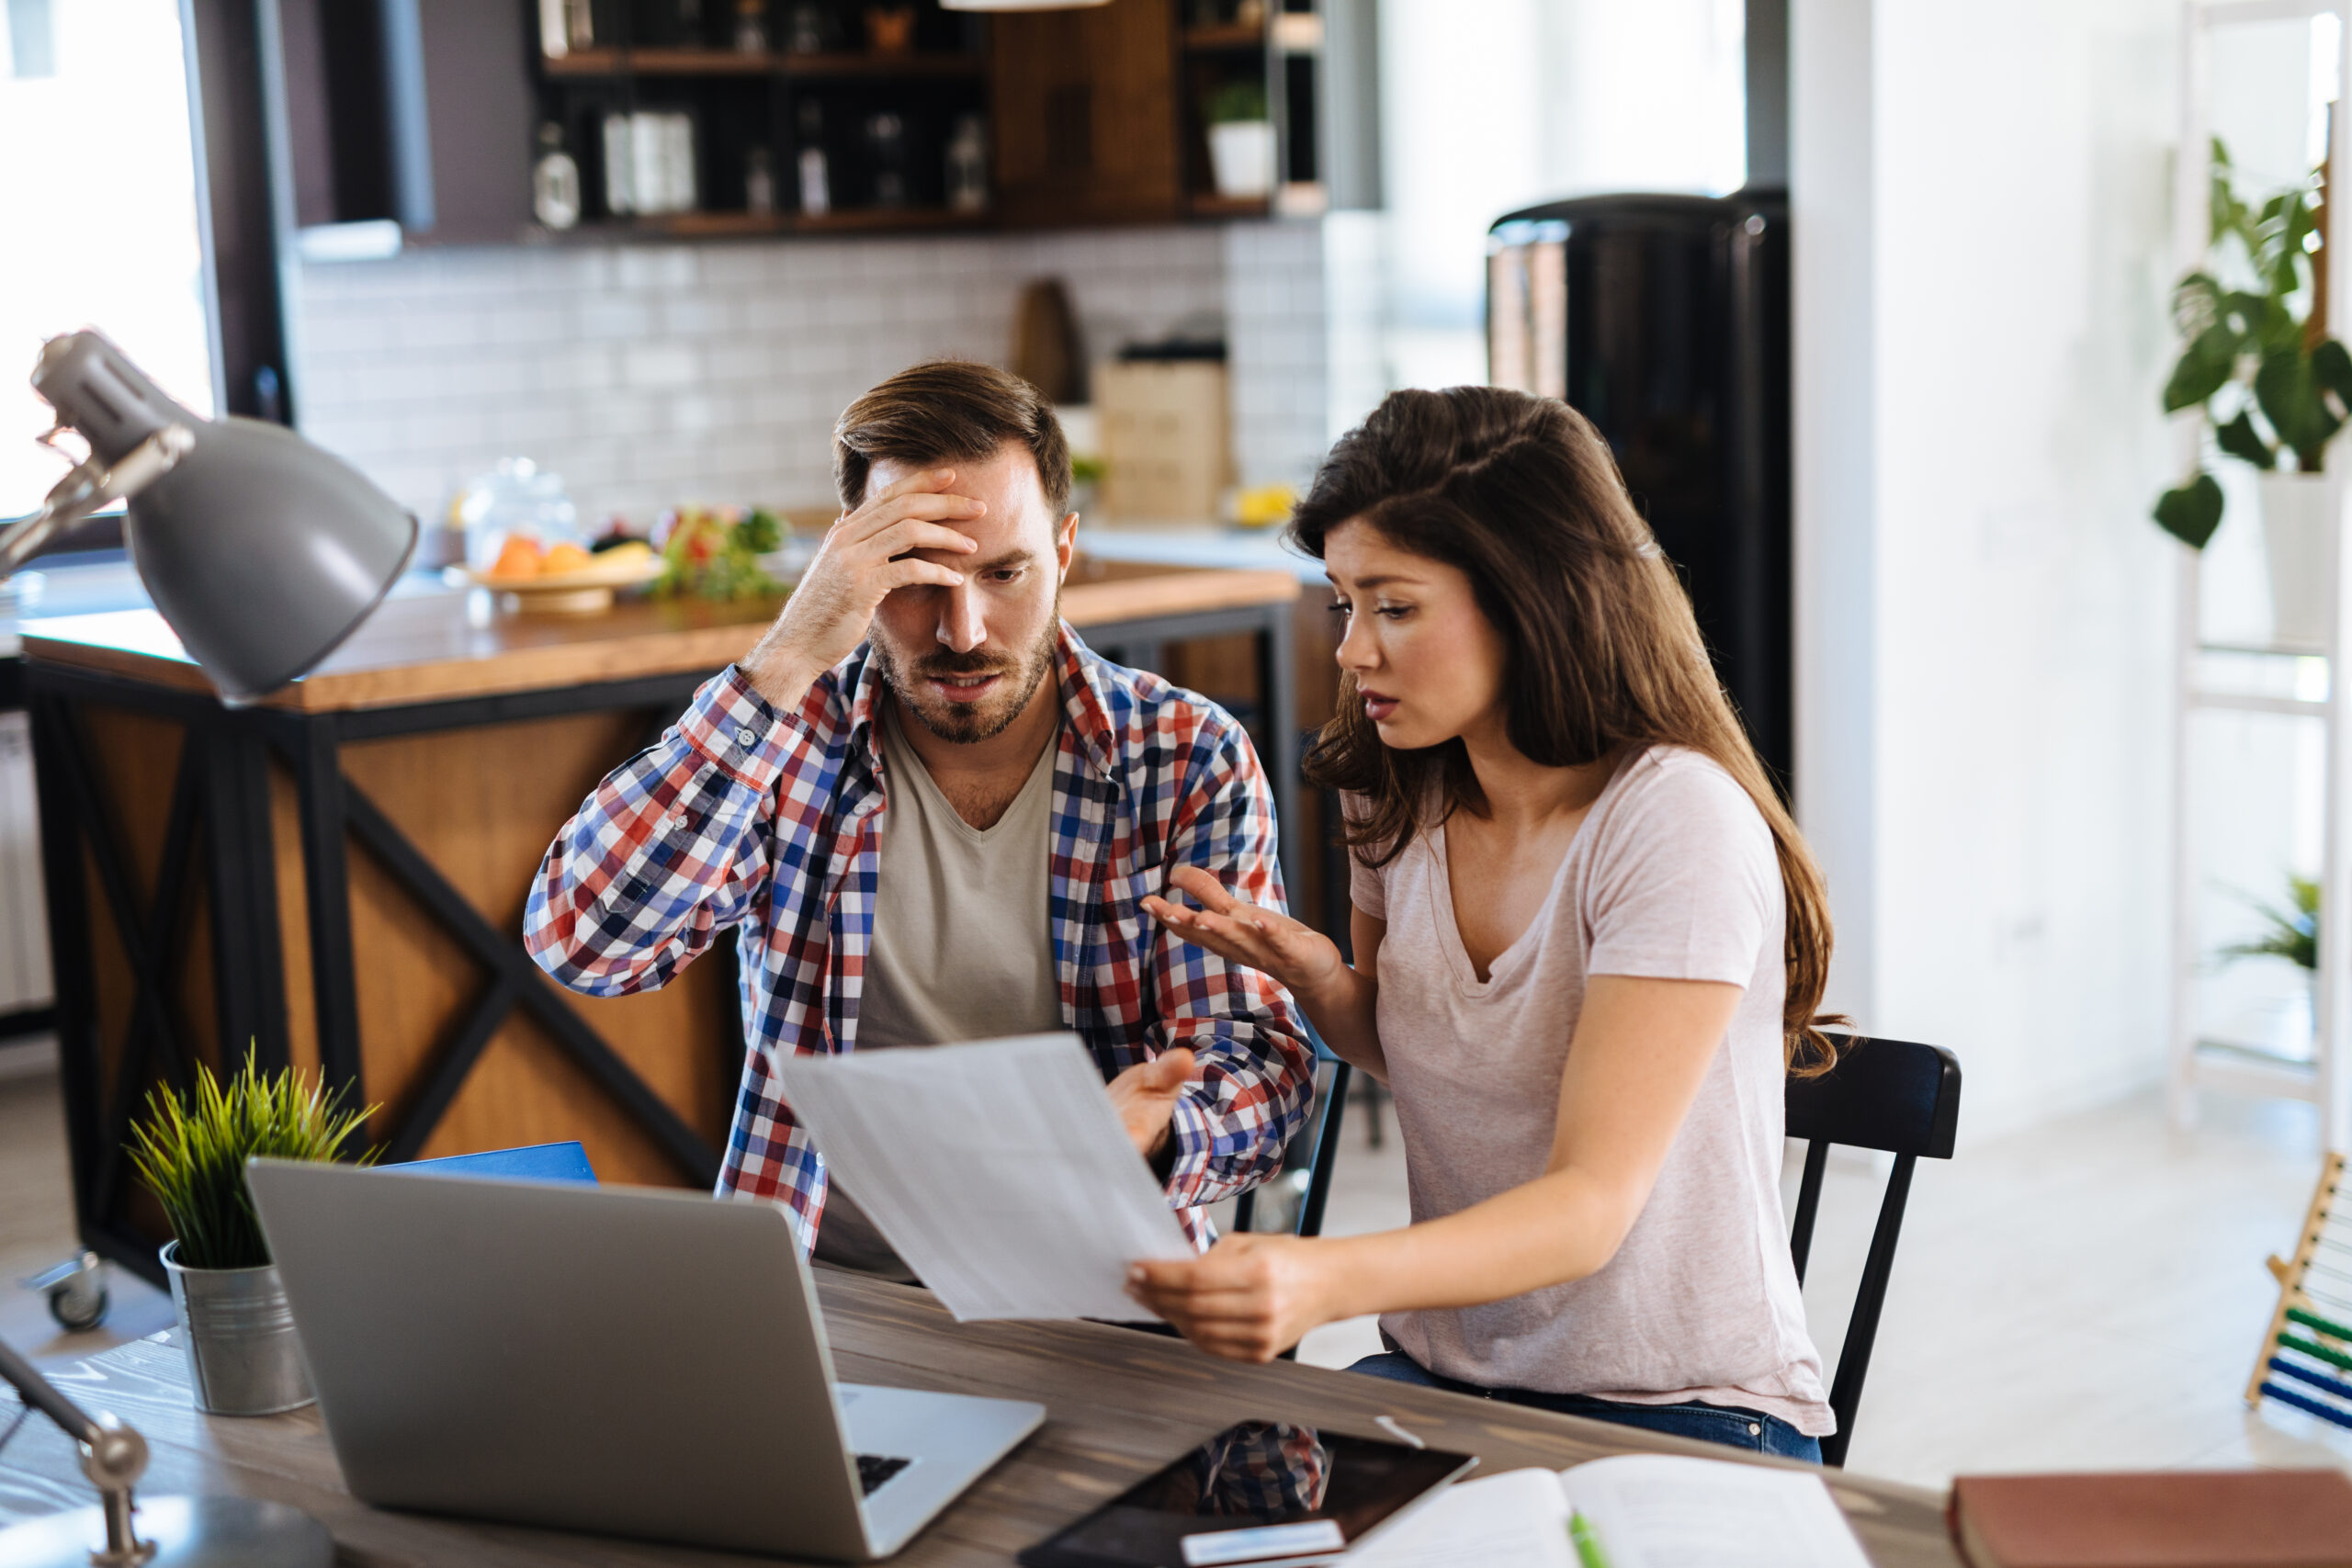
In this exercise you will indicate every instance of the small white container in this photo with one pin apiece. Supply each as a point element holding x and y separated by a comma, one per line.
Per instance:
<point>1241,152</point>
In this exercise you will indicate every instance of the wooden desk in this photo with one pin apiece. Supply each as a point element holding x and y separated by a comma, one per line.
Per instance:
<point>1119,1404</point>
<point>338,875</point>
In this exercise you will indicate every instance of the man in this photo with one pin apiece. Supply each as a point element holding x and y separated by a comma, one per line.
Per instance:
<point>931,813</point>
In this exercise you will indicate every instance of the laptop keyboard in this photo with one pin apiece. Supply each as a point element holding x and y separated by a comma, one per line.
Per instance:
<point>873,1470</point>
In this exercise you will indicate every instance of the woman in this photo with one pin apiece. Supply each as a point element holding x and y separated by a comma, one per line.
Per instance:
<point>1589,946</point>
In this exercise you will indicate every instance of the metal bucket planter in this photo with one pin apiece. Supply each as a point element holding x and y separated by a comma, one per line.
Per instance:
<point>243,1355</point>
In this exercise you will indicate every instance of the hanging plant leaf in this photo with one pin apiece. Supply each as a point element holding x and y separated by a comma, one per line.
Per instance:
<point>2332,368</point>
<point>2242,441</point>
<point>2204,369</point>
<point>2192,512</point>
<point>2290,400</point>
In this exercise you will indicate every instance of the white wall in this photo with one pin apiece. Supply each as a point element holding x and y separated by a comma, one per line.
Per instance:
<point>1984,672</point>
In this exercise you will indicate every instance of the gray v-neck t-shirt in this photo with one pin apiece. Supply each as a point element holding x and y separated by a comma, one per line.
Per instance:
<point>963,945</point>
<point>1671,876</point>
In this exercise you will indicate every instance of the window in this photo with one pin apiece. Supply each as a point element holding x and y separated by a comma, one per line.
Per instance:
<point>97,209</point>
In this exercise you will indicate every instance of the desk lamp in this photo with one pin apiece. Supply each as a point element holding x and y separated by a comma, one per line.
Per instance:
<point>262,552</point>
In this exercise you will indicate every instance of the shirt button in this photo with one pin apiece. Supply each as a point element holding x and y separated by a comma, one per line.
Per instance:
<point>746,736</point>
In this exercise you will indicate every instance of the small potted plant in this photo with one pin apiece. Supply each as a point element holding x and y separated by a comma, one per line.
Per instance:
<point>1241,140</point>
<point>2272,386</point>
<point>190,1150</point>
<point>2289,931</point>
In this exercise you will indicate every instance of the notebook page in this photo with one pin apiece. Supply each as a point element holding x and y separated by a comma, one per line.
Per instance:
<point>1665,1511</point>
<point>1517,1519</point>
<point>998,1171</point>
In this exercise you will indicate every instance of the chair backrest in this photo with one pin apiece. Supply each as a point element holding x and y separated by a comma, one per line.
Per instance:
<point>1315,1144</point>
<point>1882,1094</point>
<point>536,1162</point>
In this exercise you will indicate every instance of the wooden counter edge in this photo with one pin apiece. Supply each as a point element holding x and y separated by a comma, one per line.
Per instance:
<point>668,652</point>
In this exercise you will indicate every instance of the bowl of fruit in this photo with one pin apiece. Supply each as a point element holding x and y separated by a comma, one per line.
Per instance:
<point>565,578</point>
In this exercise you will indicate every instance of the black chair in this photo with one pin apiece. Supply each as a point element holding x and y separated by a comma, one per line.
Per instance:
<point>1882,1094</point>
<point>1314,1146</point>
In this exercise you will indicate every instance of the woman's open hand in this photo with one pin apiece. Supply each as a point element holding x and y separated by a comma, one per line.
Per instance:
<point>1301,958</point>
<point>1249,1298</point>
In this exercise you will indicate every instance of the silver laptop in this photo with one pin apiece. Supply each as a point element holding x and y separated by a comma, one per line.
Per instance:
<point>614,1359</point>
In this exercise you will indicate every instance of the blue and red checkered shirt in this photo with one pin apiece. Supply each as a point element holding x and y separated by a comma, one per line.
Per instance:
<point>770,822</point>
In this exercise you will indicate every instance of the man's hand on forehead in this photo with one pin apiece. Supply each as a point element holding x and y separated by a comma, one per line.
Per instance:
<point>898,538</point>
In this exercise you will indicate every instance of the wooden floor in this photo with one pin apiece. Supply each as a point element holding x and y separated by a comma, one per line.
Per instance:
<point>2086,1295</point>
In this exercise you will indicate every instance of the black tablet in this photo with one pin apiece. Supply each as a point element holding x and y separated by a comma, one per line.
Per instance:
<point>1257,1494</point>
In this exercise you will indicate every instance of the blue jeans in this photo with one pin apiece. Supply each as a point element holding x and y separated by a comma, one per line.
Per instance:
<point>1733,1427</point>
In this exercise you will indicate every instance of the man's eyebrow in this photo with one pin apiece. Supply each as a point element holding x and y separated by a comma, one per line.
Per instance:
<point>1020,555</point>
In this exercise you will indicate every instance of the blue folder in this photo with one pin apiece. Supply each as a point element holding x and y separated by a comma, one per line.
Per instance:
<point>539,1162</point>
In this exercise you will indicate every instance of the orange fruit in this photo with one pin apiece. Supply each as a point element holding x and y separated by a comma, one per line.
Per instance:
<point>519,557</point>
<point>565,556</point>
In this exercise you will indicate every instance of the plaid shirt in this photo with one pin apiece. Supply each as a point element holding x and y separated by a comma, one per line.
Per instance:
<point>770,822</point>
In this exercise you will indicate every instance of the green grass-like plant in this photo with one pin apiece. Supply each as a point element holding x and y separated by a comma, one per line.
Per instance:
<point>191,1150</point>
<point>2291,931</point>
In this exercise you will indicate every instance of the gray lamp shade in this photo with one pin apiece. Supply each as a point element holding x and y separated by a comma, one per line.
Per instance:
<point>262,551</point>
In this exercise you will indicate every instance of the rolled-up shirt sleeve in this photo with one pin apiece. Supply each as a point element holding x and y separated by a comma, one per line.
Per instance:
<point>1255,1072</point>
<point>669,851</point>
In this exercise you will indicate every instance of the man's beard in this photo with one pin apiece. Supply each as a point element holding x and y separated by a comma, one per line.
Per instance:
<point>968,724</point>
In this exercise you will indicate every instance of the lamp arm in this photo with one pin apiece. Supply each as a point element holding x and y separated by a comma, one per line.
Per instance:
<point>89,486</point>
<point>42,1395</point>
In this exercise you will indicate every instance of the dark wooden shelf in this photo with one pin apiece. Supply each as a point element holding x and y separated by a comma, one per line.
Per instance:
<point>742,225</point>
<point>864,220</point>
<point>1208,204</point>
<point>1225,34</point>
<point>910,64</point>
<point>730,63</point>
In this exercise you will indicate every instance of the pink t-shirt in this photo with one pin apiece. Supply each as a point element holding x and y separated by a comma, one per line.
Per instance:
<point>1671,876</point>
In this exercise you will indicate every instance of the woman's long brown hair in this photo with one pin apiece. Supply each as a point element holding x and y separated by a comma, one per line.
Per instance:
<point>1603,650</point>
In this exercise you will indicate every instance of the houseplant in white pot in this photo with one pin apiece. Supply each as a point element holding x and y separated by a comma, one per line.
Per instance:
<point>2272,386</point>
<point>190,1150</point>
<point>1241,140</point>
<point>2289,931</point>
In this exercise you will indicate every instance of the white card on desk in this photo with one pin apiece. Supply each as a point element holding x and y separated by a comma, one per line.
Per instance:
<point>998,1171</point>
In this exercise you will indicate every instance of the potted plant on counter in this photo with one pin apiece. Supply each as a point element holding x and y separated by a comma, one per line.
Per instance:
<point>1241,140</point>
<point>242,1357</point>
<point>2272,386</point>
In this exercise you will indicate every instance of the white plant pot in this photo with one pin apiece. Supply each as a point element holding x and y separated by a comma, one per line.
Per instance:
<point>1242,154</point>
<point>2299,530</point>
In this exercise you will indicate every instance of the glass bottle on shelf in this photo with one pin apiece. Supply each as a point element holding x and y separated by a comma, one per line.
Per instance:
<point>759,181</point>
<point>968,165</point>
<point>885,153</point>
<point>807,33</point>
<point>751,27</point>
<point>816,177</point>
<point>555,181</point>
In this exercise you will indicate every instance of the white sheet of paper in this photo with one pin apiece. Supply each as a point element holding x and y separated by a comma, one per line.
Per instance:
<point>1666,1511</point>
<point>1517,1519</point>
<point>1000,1171</point>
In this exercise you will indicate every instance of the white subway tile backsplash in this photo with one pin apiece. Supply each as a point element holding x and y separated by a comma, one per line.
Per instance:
<point>648,375</point>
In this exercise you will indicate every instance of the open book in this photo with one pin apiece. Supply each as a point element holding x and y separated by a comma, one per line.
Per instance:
<point>1631,1511</point>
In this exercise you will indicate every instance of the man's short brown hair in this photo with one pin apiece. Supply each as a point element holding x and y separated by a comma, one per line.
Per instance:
<point>949,410</point>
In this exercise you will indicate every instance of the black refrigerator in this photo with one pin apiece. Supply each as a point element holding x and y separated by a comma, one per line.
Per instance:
<point>1665,320</point>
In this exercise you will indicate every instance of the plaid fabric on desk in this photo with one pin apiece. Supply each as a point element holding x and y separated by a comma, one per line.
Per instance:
<point>745,817</point>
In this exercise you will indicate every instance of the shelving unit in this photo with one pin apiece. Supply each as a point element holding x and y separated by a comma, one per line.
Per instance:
<point>741,100</point>
<point>2305,684</point>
